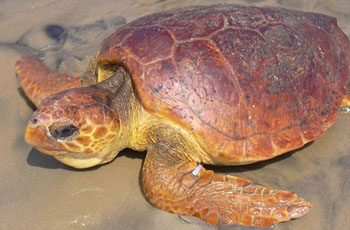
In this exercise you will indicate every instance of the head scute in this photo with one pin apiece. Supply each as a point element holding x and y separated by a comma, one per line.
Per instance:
<point>77,121</point>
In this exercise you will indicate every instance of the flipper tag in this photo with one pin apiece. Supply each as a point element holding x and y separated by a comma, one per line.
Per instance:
<point>197,169</point>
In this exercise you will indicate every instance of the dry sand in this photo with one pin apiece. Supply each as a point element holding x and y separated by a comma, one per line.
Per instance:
<point>37,192</point>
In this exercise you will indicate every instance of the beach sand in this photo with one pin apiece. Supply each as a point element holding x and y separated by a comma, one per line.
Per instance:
<point>38,192</point>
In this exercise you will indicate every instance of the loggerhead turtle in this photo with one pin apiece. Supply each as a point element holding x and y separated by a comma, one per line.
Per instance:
<point>220,85</point>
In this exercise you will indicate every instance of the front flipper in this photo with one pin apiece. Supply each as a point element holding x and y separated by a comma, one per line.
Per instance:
<point>39,82</point>
<point>184,188</point>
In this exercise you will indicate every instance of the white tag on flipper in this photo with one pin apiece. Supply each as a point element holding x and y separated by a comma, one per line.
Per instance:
<point>197,169</point>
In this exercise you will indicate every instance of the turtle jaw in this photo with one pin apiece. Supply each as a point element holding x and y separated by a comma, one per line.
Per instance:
<point>78,163</point>
<point>36,137</point>
<point>76,160</point>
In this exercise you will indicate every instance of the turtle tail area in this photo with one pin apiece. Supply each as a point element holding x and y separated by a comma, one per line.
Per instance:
<point>345,105</point>
<point>39,82</point>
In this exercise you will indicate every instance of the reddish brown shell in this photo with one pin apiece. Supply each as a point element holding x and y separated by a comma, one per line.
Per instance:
<point>249,83</point>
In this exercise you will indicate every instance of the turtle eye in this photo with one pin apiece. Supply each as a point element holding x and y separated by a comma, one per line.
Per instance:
<point>63,132</point>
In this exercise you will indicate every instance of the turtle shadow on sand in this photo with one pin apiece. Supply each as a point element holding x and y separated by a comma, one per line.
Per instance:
<point>26,99</point>
<point>38,159</point>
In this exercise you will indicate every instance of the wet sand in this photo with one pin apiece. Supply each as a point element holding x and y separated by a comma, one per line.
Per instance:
<point>38,192</point>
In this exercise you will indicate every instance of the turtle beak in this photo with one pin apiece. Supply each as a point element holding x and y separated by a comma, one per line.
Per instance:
<point>37,137</point>
<point>34,135</point>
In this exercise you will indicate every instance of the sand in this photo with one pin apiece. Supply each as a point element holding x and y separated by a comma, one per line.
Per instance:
<point>38,192</point>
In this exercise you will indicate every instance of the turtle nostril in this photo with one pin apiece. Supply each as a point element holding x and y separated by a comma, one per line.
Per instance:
<point>33,121</point>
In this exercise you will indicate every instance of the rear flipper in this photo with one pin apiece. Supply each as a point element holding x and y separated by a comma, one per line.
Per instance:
<point>185,188</point>
<point>345,105</point>
<point>39,82</point>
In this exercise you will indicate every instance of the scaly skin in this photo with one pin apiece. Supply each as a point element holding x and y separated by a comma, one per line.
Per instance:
<point>169,184</point>
<point>38,82</point>
<point>215,198</point>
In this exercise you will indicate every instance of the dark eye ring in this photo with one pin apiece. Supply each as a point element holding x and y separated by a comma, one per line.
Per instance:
<point>63,132</point>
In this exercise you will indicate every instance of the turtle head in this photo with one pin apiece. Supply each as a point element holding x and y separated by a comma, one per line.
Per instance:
<point>77,127</point>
